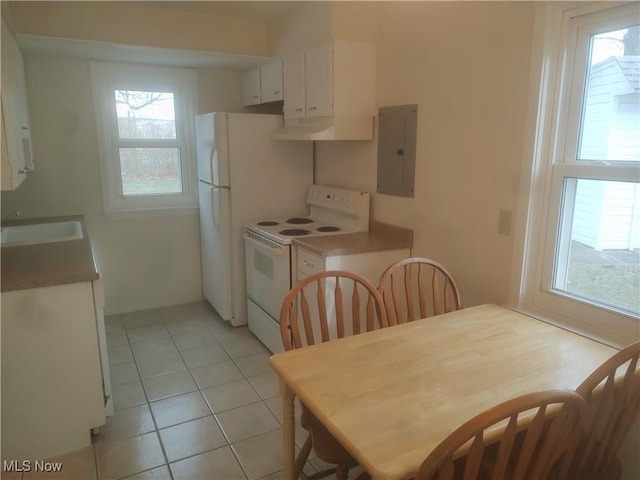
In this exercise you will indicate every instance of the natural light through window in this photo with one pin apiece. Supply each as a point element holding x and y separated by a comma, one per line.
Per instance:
<point>598,253</point>
<point>145,115</point>
<point>610,127</point>
<point>581,264</point>
<point>599,260</point>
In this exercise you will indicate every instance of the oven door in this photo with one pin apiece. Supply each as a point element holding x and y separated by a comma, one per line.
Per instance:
<point>268,272</point>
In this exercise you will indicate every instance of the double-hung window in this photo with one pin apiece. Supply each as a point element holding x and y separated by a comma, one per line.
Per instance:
<point>144,116</point>
<point>582,248</point>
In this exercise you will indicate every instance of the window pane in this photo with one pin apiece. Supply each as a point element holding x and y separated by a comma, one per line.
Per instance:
<point>152,171</point>
<point>610,127</point>
<point>145,115</point>
<point>598,256</point>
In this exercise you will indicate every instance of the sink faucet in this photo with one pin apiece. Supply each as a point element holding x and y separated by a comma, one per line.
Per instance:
<point>16,214</point>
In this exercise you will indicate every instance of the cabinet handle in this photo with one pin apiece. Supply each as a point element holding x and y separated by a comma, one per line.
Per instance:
<point>256,96</point>
<point>26,145</point>
<point>276,92</point>
<point>298,109</point>
<point>313,108</point>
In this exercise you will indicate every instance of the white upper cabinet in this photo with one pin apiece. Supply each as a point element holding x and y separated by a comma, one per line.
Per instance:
<point>251,86</point>
<point>263,84</point>
<point>294,83</point>
<point>333,78</point>
<point>17,157</point>
<point>319,80</point>
<point>271,81</point>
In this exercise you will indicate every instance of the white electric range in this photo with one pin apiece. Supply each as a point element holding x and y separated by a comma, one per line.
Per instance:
<point>269,276</point>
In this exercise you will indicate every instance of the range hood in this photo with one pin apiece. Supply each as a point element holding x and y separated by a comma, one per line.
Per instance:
<point>335,127</point>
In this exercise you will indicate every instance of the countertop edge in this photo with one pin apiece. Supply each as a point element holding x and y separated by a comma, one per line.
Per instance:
<point>27,267</point>
<point>381,237</point>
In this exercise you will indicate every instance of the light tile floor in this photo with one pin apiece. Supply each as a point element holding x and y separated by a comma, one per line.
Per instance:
<point>195,399</point>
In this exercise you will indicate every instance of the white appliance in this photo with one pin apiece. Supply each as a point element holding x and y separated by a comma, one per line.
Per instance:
<point>268,252</point>
<point>244,174</point>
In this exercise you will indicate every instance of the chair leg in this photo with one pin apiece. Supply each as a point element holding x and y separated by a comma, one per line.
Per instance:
<point>342,472</point>
<point>303,456</point>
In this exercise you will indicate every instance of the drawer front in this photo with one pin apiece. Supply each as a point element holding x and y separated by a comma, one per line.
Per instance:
<point>308,263</point>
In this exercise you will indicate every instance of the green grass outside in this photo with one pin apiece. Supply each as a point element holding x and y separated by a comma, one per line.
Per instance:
<point>150,185</point>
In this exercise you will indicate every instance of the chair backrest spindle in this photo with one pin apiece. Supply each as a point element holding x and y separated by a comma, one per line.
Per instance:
<point>343,304</point>
<point>417,287</point>
<point>551,422</point>
<point>612,393</point>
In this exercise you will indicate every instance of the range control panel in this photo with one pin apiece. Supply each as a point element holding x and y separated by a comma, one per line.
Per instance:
<point>338,199</point>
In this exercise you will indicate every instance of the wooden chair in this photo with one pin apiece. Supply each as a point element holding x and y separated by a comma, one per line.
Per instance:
<point>320,308</point>
<point>415,288</point>
<point>612,393</point>
<point>525,438</point>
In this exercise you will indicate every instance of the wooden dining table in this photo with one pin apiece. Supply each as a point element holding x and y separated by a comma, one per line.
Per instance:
<point>392,395</point>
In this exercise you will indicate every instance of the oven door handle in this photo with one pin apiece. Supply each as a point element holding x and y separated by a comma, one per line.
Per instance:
<point>264,244</point>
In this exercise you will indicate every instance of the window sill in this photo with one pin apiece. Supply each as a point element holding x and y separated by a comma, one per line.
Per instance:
<point>573,326</point>
<point>150,212</point>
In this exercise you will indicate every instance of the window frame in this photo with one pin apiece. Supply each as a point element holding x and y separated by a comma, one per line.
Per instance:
<point>108,77</point>
<point>557,87</point>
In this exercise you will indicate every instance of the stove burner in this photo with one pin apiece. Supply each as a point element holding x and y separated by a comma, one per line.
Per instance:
<point>294,232</point>
<point>268,223</point>
<point>299,220</point>
<point>328,228</point>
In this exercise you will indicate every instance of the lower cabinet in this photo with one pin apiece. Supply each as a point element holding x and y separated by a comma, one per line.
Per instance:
<point>370,265</point>
<point>55,380</point>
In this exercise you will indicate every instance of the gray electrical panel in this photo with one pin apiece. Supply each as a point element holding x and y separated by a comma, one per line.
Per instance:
<point>397,150</point>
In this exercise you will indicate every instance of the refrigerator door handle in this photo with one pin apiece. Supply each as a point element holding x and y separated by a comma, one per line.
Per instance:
<point>213,161</point>
<point>215,205</point>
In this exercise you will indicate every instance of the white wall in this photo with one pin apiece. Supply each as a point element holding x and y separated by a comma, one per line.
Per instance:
<point>466,65</point>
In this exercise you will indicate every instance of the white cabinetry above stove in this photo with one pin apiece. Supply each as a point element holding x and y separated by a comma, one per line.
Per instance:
<point>329,92</point>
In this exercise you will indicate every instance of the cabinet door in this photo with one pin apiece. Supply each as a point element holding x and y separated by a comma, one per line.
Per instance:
<point>319,80</point>
<point>16,158</point>
<point>251,85</point>
<point>271,81</point>
<point>294,85</point>
<point>52,391</point>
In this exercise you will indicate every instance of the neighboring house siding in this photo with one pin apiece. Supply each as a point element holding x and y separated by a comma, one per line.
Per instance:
<point>619,213</point>
<point>624,142</point>
<point>587,213</point>
<point>607,214</point>
<point>605,78</point>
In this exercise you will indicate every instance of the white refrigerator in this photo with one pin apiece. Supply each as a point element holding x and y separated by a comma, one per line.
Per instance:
<point>244,176</point>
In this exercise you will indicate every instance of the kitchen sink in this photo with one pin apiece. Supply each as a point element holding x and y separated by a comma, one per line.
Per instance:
<point>40,233</point>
